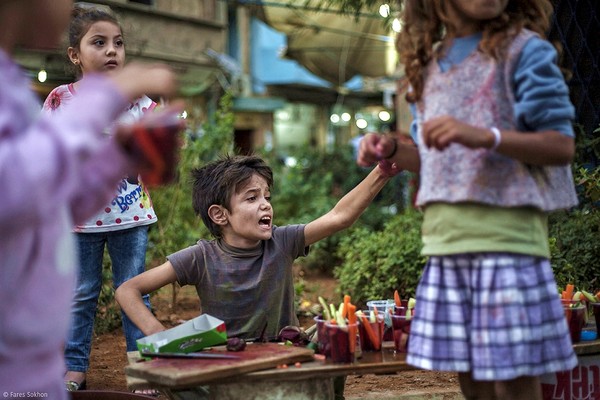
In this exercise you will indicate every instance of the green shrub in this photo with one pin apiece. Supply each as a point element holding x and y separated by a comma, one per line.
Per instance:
<point>375,263</point>
<point>575,247</point>
<point>574,235</point>
<point>178,227</point>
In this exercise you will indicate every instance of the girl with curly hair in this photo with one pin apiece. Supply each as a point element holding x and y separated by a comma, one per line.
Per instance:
<point>492,143</point>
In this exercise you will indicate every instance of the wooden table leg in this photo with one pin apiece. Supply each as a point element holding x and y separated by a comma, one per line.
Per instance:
<point>307,389</point>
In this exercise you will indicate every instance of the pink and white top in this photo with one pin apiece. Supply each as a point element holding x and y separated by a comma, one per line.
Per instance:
<point>131,205</point>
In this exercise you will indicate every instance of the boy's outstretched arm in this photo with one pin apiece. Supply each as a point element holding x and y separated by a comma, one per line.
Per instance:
<point>129,296</point>
<point>348,209</point>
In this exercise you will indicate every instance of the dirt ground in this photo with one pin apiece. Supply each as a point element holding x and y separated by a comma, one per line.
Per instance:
<point>108,357</point>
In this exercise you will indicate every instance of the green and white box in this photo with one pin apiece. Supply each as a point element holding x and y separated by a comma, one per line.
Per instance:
<point>194,335</point>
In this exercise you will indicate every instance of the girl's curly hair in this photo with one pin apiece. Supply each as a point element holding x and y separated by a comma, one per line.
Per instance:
<point>425,24</point>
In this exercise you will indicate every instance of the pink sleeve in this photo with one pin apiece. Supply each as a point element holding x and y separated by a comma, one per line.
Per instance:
<point>63,157</point>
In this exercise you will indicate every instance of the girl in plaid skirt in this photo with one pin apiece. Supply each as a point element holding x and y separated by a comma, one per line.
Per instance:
<point>492,141</point>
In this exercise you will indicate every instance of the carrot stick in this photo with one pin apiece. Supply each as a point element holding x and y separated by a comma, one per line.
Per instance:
<point>569,291</point>
<point>351,313</point>
<point>346,302</point>
<point>369,331</point>
<point>351,326</point>
<point>397,299</point>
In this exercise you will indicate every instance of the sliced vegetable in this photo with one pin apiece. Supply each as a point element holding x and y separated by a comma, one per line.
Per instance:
<point>341,321</point>
<point>397,299</point>
<point>568,292</point>
<point>332,310</point>
<point>373,315</point>
<point>410,306</point>
<point>326,313</point>
<point>590,297</point>
<point>235,344</point>
<point>578,296</point>
<point>352,326</point>
<point>345,304</point>
<point>365,322</point>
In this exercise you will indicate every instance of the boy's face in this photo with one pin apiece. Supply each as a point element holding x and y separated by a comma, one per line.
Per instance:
<point>250,216</point>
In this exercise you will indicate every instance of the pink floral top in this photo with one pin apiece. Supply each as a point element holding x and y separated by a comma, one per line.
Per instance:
<point>131,205</point>
<point>478,91</point>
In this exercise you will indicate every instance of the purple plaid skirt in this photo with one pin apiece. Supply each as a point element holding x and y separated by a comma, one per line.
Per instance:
<point>497,315</point>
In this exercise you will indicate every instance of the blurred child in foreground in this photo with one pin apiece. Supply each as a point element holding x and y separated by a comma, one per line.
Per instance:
<point>54,172</point>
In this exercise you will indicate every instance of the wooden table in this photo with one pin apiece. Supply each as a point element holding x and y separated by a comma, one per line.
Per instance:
<point>582,382</point>
<point>312,380</point>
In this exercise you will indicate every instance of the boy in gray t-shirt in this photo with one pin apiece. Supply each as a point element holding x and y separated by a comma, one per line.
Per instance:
<point>244,275</point>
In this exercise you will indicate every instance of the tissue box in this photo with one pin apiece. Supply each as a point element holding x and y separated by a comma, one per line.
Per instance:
<point>194,335</point>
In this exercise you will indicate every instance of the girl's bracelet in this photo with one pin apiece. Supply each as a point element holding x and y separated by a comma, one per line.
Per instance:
<point>497,137</point>
<point>394,150</point>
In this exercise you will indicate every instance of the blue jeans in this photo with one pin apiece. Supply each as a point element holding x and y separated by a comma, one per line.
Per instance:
<point>127,251</point>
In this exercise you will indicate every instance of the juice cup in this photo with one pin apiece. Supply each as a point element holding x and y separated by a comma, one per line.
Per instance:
<point>383,307</point>
<point>155,144</point>
<point>342,340</point>
<point>322,337</point>
<point>401,330</point>
<point>371,338</point>
<point>575,314</point>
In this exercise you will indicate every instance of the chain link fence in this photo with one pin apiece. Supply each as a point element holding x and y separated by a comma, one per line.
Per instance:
<point>576,26</point>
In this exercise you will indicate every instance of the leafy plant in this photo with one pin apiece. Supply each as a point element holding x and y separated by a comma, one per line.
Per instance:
<point>374,264</point>
<point>178,226</point>
<point>574,238</point>
<point>575,234</point>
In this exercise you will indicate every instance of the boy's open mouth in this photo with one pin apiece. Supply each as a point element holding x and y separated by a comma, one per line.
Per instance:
<point>265,221</point>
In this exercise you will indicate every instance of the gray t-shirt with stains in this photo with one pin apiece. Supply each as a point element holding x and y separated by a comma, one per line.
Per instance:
<point>246,288</point>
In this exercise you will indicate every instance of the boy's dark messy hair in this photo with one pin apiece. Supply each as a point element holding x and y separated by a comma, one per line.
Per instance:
<point>215,183</point>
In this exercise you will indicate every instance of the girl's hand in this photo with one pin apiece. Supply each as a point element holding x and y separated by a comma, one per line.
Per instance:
<point>373,148</point>
<point>389,168</point>
<point>442,131</point>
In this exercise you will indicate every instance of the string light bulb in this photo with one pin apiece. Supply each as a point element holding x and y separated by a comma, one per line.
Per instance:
<point>42,75</point>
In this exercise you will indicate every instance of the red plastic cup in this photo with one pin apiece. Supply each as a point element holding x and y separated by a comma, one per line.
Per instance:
<point>155,145</point>
<point>339,340</point>
<point>575,314</point>
<point>377,327</point>
<point>383,306</point>
<point>401,331</point>
<point>322,337</point>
